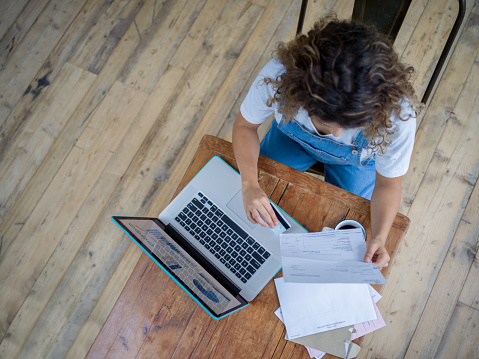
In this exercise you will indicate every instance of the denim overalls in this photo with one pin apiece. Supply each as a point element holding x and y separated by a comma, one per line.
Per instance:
<point>290,143</point>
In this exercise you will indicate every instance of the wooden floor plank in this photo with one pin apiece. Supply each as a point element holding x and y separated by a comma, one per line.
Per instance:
<point>197,34</point>
<point>11,10</point>
<point>27,59</point>
<point>50,68</point>
<point>18,30</point>
<point>441,110</point>
<point>159,44</point>
<point>469,5</point>
<point>413,16</point>
<point>70,134</point>
<point>470,292</point>
<point>58,332</point>
<point>30,318</point>
<point>109,28</point>
<point>428,40</point>
<point>54,213</point>
<point>317,9</point>
<point>452,275</point>
<point>43,126</point>
<point>462,337</point>
<point>263,3</point>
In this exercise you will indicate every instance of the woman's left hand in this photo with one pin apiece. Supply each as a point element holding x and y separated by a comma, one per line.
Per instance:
<point>377,253</point>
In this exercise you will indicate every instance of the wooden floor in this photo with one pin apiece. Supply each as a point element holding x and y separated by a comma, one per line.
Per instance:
<point>102,105</point>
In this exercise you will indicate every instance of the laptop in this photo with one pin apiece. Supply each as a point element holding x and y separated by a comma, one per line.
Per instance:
<point>204,241</point>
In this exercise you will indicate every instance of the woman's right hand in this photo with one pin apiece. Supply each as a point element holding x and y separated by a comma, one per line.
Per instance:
<point>258,207</point>
<point>246,148</point>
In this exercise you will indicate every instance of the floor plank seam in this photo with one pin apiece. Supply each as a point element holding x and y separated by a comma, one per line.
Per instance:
<point>468,306</point>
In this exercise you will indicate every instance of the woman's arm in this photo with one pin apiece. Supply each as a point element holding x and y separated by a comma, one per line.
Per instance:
<point>246,149</point>
<point>385,203</point>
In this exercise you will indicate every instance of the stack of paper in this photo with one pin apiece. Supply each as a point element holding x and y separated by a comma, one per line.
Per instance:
<point>325,301</point>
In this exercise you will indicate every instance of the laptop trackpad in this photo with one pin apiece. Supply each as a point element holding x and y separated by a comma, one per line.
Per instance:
<point>236,205</point>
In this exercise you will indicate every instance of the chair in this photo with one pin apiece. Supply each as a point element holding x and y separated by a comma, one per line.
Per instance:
<point>388,17</point>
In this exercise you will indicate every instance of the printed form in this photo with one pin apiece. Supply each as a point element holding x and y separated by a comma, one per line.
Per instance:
<point>327,257</point>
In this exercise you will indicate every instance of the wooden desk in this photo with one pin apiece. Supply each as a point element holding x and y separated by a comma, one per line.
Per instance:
<point>155,318</point>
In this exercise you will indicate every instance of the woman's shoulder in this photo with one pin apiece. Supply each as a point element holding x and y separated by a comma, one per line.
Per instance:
<point>272,69</point>
<point>407,111</point>
<point>405,119</point>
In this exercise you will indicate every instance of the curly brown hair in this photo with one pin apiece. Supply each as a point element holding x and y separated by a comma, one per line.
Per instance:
<point>343,72</point>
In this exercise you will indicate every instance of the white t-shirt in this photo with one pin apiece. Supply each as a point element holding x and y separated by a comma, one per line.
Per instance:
<point>393,163</point>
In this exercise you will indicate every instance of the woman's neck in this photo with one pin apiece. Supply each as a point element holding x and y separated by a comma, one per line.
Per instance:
<point>322,130</point>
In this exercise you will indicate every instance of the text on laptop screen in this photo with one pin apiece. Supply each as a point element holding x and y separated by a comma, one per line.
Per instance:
<point>181,265</point>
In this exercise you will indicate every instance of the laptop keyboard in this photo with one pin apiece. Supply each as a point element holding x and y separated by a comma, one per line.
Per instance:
<point>217,232</point>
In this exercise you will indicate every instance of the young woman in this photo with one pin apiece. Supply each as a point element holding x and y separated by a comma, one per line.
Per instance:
<point>340,96</point>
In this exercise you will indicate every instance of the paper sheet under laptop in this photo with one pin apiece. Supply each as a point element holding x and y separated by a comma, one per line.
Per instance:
<point>327,257</point>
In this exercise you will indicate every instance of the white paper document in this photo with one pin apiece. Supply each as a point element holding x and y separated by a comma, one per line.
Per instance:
<point>315,308</point>
<point>313,353</point>
<point>327,257</point>
<point>374,294</point>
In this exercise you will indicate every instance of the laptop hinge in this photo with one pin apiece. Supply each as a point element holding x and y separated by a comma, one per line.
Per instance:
<point>203,261</point>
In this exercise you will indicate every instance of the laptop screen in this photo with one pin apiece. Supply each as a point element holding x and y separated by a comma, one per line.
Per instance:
<point>169,254</point>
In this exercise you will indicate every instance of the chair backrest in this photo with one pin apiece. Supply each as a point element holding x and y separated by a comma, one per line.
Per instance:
<point>386,15</point>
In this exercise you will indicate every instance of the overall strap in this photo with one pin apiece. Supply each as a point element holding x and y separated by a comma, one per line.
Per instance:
<point>360,140</point>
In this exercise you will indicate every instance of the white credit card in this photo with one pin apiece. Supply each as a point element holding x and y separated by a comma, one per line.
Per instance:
<point>283,223</point>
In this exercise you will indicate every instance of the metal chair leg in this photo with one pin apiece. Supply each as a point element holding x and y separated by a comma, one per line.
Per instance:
<point>445,51</point>
<point>302,13</point>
